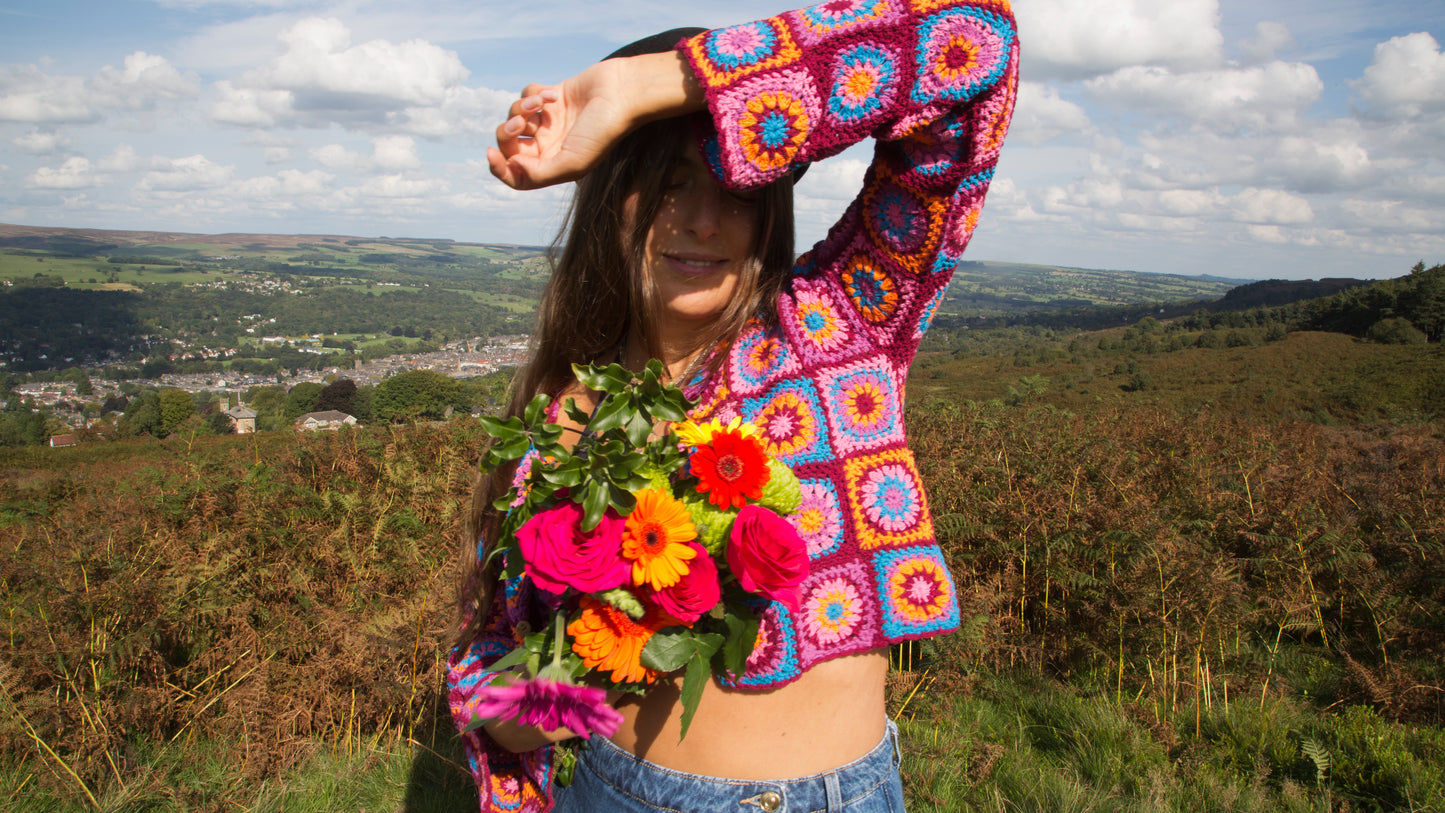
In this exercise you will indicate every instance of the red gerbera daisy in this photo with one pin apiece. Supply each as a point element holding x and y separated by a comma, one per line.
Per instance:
<point>731,469</point>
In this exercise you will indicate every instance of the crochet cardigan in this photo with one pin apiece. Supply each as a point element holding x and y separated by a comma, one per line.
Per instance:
<point>934,82</point>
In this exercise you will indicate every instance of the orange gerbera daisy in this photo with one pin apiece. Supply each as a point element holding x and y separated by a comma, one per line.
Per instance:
<point>731,469</point>
<point>656,539</point>
<point>607,639</point>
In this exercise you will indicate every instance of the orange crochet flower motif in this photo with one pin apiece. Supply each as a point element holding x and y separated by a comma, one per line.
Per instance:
<point>607,639</point>
<point>656,539</point>
<point>731,469</point>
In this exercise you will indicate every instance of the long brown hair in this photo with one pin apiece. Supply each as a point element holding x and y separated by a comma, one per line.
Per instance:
<point>599,293</point>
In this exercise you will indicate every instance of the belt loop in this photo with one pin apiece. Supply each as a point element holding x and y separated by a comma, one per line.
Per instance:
<point>897,746</point>
<point>833,791</point>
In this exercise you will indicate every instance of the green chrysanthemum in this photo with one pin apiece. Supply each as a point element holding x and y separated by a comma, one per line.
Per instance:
<point>622,599</point>
<point>712,523</point>
<point>783,493</point>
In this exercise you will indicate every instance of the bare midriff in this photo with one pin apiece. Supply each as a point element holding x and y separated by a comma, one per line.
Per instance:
<point>830,716</point>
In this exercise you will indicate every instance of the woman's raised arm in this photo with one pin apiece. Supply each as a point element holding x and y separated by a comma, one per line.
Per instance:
<point>556,133</point>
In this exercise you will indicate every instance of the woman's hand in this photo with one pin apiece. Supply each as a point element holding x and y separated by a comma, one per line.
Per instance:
<point>557,133</point>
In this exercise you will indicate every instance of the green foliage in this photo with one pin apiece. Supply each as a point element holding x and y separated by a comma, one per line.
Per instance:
<point>1395,330</point>
<point>301,399</point>
<point>415,395</point>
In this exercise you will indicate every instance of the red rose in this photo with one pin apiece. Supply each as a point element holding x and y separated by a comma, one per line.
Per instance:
<point>559,555</point>
<point>696,593</point>
<point>767,555</point>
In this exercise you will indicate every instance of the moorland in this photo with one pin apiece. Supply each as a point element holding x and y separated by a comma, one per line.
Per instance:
<point>1197,536</point>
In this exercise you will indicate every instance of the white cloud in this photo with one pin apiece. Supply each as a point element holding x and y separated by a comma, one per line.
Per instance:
<point>1392,216</point>
<point>122,159</point>
<point>75,173</point>
<point>1406,78</point>
<point>394,153</point>
<point>1268,97</point>
<point>250,107</point>
<point>337,157</point>
<point>1070,40</point>
<point>1269,39</point>
<point>286,186</point>
<point>1271,207</point>
<point>39,142</point>
<point>27,94</point>
<point>320,78</point>
<point>190,174</point>
<point>30,95</point>
<point>1041,115</point>
<point>398,186</point>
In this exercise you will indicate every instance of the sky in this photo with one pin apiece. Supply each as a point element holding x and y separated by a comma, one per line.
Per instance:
<point>1247,139</point>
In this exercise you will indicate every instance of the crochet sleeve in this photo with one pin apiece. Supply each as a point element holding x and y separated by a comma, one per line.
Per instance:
<point>933,81</point>
<point>505,781</point>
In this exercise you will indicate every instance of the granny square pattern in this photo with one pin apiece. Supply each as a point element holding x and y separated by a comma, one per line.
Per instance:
<point>865,80</point>
<point>890,509</point>
<point>918,594</point>
<point>838,614</point>
<point>792,423</point>
<point>766,121</point>
<point>819,518</point>
<point>863,407</point>
<point>820,324</point>
<point>840,17</point>
<point>758,357</point>
<point>726,55</point>
<point>960,51</point>
<point>774,659</point>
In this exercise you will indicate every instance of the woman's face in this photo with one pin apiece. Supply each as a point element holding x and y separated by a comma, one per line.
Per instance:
<point>698,245</point>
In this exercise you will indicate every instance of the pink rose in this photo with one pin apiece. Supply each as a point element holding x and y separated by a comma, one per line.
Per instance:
<point>559,555</point>
<point>768,556</point>
<point>696,593</point>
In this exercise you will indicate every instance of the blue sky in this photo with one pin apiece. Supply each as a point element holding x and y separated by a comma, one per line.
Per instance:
<point>1247,139</point>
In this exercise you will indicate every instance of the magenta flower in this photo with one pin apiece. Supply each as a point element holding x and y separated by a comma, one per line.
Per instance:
<point>768,556</point>
<point>549,705</point>
<point>559,554</point>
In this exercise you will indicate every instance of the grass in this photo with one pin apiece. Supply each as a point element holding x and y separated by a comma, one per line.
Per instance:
<point>1013,742</point>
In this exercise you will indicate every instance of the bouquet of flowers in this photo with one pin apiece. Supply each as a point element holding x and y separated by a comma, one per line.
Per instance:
<point>654,541</point>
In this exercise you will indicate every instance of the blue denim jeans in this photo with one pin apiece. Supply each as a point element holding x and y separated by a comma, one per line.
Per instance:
<point>610,779</point>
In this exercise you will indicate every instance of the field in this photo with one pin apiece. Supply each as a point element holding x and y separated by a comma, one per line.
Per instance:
<point>1170,602</point>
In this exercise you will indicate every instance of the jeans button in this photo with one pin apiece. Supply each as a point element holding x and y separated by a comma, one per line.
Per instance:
<point>770,801</point>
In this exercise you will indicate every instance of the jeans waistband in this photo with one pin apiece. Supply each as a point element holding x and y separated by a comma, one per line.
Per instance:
<point>668,789</point>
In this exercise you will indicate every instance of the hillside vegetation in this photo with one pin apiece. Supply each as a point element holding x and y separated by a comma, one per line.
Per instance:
<point>1209,595</point>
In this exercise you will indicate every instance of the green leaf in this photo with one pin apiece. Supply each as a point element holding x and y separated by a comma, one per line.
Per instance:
<point>742,634</point>
<point>612,378</point>
<point>614,410</point>
<point>594,505</point>
<point>514,658</point>
<point>512,447</point>
<point>576,413</point>
<point>693,682</point>
<point>671,407</point>
<point>497,428</point>
<point>638,428</point>
<point>669,649</point>
<point>536,411</point>
<point>567,475</point>
<point>622,499</point>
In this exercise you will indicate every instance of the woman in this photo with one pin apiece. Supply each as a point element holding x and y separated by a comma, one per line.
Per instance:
<point>679,248</point>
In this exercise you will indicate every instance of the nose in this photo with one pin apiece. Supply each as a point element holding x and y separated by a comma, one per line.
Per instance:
<point>703,209</point>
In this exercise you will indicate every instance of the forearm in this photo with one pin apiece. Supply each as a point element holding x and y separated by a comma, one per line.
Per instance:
<point>519,738</point>
<point>663,86</point>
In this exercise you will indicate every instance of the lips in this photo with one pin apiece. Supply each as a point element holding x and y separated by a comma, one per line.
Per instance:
<point>694,265</point>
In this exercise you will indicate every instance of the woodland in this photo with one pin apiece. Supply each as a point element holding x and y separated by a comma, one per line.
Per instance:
<point>1198,547</point>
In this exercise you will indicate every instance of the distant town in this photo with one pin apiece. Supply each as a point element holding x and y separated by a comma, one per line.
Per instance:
<point>78,407</point>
